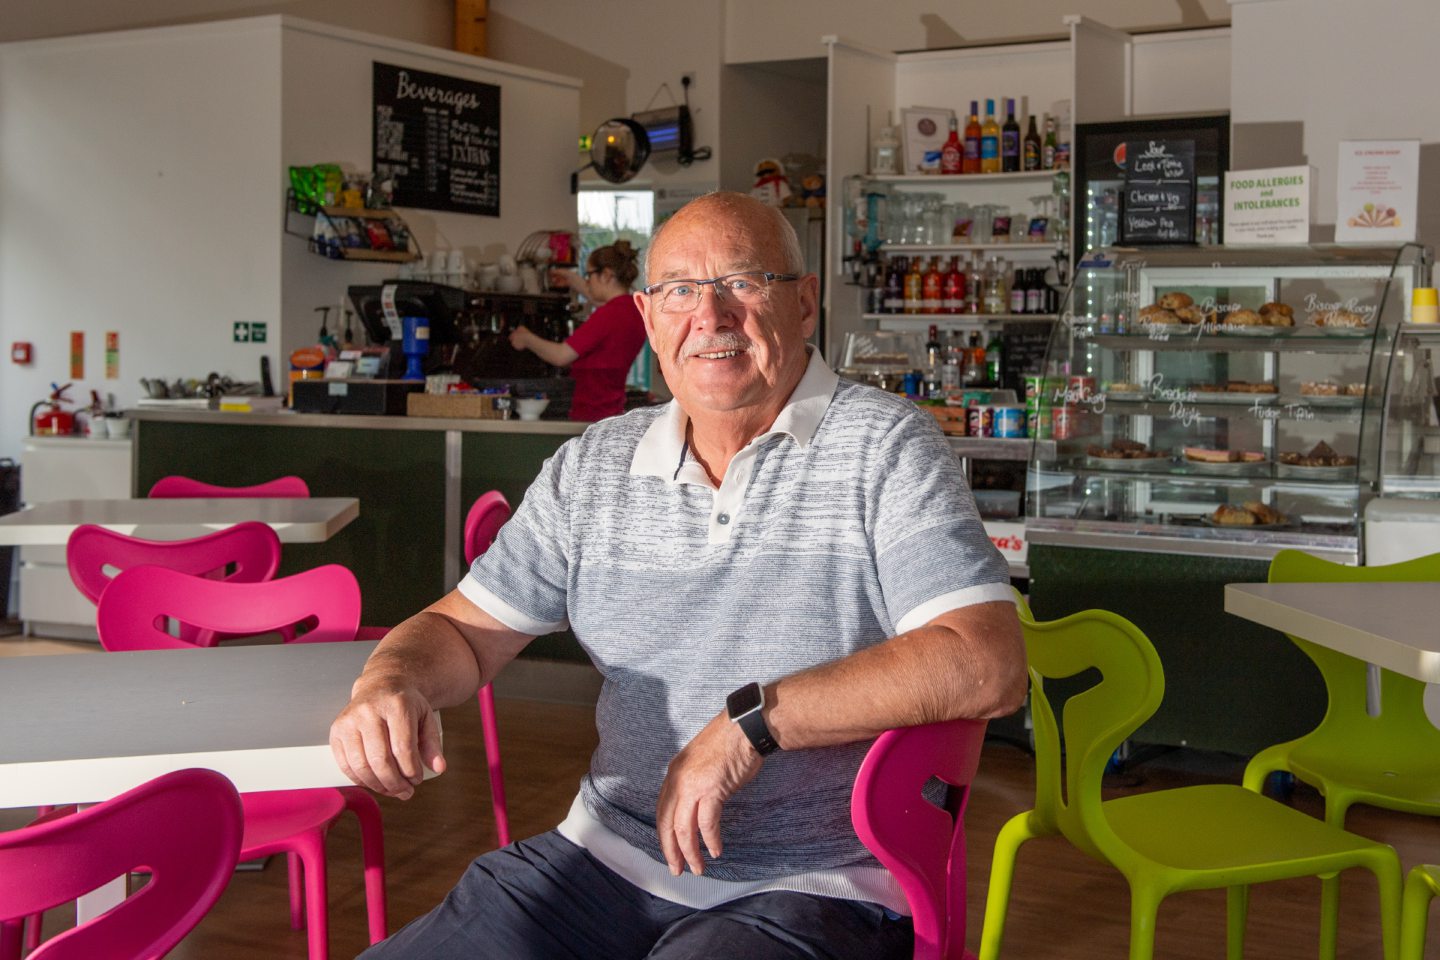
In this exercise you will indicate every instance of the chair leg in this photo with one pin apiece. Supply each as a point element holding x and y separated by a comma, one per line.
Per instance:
<point>294,871</point>
<point>1144,905</point>
<point>1385,864</point>
<point>491,730</point>
<point>372,846</point>
<point>1002,871</point>
<point>1336,806</point>
<point>1414,917</point>
<point>10,937</point>
<point>1237,908</point>
<point>33,925</point>
<point>311,850</point>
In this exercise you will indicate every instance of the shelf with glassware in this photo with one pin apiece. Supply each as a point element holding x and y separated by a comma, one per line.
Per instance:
<point>1233,405</point>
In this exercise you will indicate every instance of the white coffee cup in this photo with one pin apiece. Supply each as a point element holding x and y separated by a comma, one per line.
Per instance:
<point>117,427</point>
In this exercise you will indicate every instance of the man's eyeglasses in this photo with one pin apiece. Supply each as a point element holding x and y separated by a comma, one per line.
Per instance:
<point>748,288</point>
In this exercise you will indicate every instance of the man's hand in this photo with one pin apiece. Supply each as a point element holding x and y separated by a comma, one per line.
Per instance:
<point>521,338</point>
<point>386,737</point>
<point>707,772</point>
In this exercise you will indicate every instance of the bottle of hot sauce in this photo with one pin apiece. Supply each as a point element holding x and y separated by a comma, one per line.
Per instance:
<point>971,163</point>
<point>952,154</point>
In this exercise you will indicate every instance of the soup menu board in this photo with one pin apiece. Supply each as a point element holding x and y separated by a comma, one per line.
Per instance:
<point>438,138</point>
<point>1158,202</point>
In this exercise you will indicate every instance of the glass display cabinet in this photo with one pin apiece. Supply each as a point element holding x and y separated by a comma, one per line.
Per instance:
<point>1232,402</point>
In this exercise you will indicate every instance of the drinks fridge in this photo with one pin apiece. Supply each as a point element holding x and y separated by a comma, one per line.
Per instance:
<point>1098,164</point>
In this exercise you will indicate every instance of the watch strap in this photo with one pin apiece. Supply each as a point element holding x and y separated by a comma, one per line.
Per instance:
<point>758,731</point>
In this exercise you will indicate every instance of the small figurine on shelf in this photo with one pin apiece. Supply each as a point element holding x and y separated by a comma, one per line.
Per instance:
<point>771,187</point>
<point>812,190</point>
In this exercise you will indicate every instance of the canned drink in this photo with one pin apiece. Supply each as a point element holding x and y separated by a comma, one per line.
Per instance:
<point>1063,423</point>
<point>1040,427</point>
<point>981,421</point>
<point>1008,422</point>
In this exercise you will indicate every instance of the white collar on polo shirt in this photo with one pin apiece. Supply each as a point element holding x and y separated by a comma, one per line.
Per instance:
<point>662,450</point>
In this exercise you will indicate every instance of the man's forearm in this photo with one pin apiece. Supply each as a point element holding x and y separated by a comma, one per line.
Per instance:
<point>970,663</point>
<point>429,653</point>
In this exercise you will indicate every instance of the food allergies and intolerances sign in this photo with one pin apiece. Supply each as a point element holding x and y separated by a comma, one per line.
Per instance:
<point>1268,206</point>
<point>1377,191</point>
<point>438,138</point>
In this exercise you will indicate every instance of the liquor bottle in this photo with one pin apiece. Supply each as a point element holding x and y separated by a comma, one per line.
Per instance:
<point>997,293</point>
<point>974,288</point>
<point>1049,145</point>
<point>914,287</point>
<point>952,293</point>
<point>874,287</point>
<point>1035,293</point>
<point>1031,154</point>
<point>934,355</point>
<point>971,163</point>
<point>895,285</point>
<point>1010,140</point>
<point>1018,291</point>
<point>954,364</point>
<point>975,360</point>
<point>931,288</point>
<point>990,141</point>
<point>952,154</point>
<point>993,350</point>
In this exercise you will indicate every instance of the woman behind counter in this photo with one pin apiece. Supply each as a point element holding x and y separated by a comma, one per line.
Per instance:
<point>600,353</point>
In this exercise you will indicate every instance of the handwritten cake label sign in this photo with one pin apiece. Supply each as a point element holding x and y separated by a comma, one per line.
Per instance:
<point>1378,189</point>
<point>1158,202</point>
<point>1268,206</point>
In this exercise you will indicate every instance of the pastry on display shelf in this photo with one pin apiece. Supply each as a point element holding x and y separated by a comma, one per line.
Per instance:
<point>1176,300</point>
<point>1252,513</point>
<point>1319,388</point>
<point>1157,314</point>
<point>1278,314</point>
<point>1244,318</point>
<point>1194,315</point>
<point>1211,455</point>
<point>1339,318</point>
<point>1320,455</point>
<point>1123,449</point>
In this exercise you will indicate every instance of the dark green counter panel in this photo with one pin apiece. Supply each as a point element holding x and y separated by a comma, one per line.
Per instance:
<point>1230,684</point>
<point>395,547</point>
<point>508,463</point>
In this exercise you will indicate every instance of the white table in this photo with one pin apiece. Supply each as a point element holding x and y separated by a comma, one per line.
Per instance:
<point>296,520</point>
<point>1392,625</point>
<point>85,727</point>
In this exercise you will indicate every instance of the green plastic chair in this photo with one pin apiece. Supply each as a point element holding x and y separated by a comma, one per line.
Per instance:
<point>1390,761</point>
<point>1166,841</point>
<point>1421,887</point>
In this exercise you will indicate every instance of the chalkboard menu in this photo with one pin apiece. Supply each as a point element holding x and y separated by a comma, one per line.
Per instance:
<point>1158,203</point>
<point>1022,345</point>
<point>438,138</point>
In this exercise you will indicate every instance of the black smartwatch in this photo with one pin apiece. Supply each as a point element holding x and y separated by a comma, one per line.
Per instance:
<point>743,707</point>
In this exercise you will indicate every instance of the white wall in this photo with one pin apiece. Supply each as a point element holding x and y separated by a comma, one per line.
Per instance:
<point>765,30</point>
<point>136,170</point>
<point>770,110</point>
<point>1368,73</point>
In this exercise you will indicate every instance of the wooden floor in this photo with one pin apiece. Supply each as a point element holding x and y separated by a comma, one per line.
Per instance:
<point>1064,905</point>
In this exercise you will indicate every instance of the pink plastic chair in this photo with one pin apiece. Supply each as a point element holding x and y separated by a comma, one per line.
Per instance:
<point>247,553</point>
<point>922,845</point>
<point>176,487</point>
<point>183,827</point>
<point>323,605</point>
<point>487,515</point>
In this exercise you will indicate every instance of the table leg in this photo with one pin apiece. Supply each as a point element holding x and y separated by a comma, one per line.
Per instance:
<point>453,515</point>
<point>1372,690</point>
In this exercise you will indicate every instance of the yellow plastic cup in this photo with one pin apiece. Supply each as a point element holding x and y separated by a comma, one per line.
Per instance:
<point>1424,305</point>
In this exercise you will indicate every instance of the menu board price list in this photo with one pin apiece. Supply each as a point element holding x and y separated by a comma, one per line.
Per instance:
<point>438,137</point>
<point>1158,202</point>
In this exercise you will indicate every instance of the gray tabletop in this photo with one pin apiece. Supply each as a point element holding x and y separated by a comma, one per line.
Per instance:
<point>1393,625</point>
<point>295,519</point>
<point>83,727</point>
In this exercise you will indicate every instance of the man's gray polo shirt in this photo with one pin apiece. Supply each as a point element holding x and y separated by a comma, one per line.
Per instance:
<point>846,523</point>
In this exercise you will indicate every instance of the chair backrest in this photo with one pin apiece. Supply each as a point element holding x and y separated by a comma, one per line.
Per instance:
<point>251,548</point>
<point>184,827</point>
<point>487,515</point>
<point>174,487</point>
<point>922,845</point>
<point>1068,772</point>
<point>1402,727</point>
<point>136,607</point>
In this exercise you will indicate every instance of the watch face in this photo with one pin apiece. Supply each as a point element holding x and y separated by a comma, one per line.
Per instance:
<point>744,700</point>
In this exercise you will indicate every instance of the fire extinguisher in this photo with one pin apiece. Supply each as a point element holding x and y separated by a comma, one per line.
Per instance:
<point>54,421</point>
